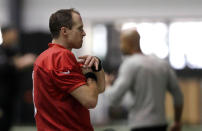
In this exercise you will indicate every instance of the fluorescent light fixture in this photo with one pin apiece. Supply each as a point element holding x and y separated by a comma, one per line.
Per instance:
<point>153,39</point>
<point>100,40</point>
<point>185,44</point>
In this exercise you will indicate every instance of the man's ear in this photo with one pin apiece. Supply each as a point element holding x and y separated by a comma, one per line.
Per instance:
<point>65,30</point>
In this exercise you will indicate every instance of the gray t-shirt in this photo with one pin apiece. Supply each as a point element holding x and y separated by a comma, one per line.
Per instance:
<point>147,78</point>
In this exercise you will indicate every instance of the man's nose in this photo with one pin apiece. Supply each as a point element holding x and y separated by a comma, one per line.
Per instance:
<point>84,33</point>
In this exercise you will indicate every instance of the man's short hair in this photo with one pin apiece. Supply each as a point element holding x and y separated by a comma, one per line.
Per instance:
<point>7,28</point>
<point>61,18</point>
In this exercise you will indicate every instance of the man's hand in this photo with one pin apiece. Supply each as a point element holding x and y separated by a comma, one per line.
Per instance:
<point>89,61</point>
<point>176,127</point>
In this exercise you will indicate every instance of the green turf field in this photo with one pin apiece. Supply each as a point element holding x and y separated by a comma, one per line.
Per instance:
<point>114,127</point>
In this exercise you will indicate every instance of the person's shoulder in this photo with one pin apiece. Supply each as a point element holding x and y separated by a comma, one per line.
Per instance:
<point>157,59</point>
<point>41,57</point>
<point>53,58</point>
<point>136,59</point>
<point>159,62</point>
<point>132,61</point>
<point>163,62</point>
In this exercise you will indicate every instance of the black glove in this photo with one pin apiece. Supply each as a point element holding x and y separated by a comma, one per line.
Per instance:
<point>91,75</point>
<point>99,66</point>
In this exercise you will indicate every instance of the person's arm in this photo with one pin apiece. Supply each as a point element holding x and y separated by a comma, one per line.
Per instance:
<point>23,61</point>
<point>87,94</point>
<point>177,120</point>
<point>123,83</point>
<point>100,81</point>
<point>174,89</point>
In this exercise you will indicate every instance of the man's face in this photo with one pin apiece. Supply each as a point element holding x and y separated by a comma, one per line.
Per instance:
<point>76,33</point>
<point>10,37</point>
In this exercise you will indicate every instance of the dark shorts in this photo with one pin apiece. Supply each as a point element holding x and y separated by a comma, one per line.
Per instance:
<point>151,128</point>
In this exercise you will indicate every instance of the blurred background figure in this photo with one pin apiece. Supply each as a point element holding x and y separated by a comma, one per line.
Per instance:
<point>11,61</point>
<point>147,78</point>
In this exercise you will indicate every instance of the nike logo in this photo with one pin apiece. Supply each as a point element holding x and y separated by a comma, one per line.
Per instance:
<point>65,72</point>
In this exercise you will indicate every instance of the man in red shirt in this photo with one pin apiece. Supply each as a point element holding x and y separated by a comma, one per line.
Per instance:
<point>61,92</point>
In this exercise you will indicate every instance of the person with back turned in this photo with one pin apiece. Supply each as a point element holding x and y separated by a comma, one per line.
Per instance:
<point>11,62</point>
<point>64,88</point>
<point>147,78</point>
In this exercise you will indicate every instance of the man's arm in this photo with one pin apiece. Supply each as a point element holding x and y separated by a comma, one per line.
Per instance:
<point>87,94</point>
<point>174,89</point>
<point>100,81</point>
<point>21,62</point>
<point>177,120</point>
<point>123,83</point>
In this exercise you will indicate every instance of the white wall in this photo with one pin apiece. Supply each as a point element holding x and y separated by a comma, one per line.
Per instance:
<point>37,12</point>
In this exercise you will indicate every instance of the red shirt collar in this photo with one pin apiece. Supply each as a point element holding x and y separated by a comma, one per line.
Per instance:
<point>54,44</point>
<point>60,46</point>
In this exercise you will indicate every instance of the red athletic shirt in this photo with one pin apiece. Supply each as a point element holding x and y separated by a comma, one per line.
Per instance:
<point>56,74</point>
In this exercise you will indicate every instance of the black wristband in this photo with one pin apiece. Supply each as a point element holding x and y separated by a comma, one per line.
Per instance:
<point>99,66</point>
<point>91,75</point>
